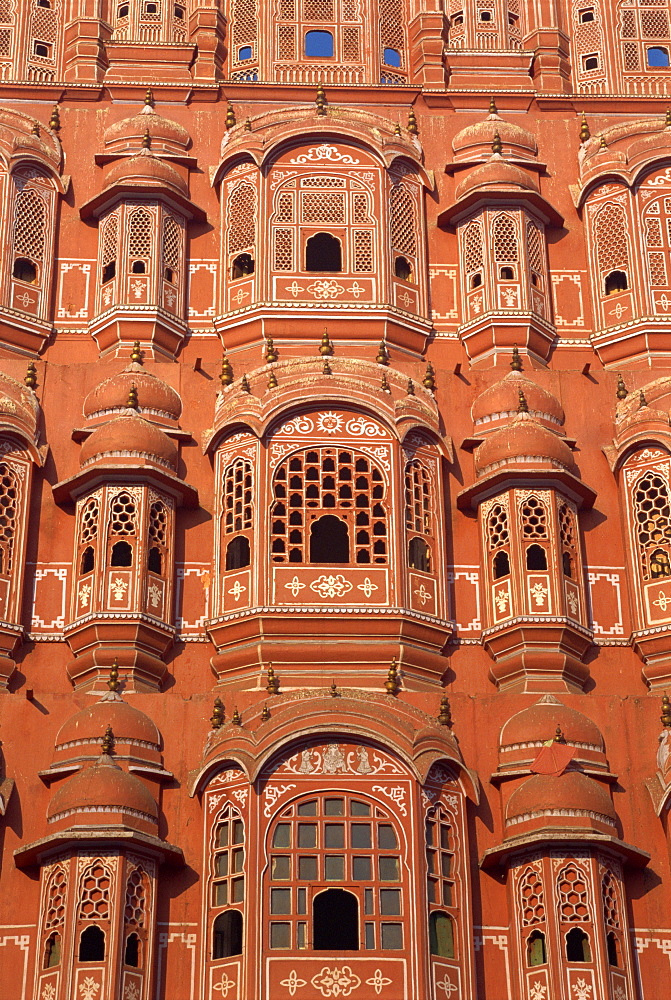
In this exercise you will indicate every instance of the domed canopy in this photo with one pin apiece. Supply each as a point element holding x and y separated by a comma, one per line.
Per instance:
<point>166,135</point>
<point>538,723</point>
<point>19,407</point>
<point>155,397</point>
<point>571,800</point>
<point>129,440</point>
<point>129,725</point>
<point>103,794</point>
<point>499,403</point>
<point>496,175</point>
<point>146,170</point>
<point>475,141</point>
<point>525,442</point>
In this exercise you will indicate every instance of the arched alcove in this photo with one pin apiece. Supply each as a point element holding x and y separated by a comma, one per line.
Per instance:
<point>335,921</point>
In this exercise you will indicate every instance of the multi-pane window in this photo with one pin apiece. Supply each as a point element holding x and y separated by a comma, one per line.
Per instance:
<point>657,235</point>
<point>237,483</point>
<point>319,29</point>
<point>336,877</point>
<point>568,528</point>
<point>645,32</point>
<point>9,501</point>
<point>498,540</point>
<point>440,860</point>
<point>228,883</point>
<point>418,516</point>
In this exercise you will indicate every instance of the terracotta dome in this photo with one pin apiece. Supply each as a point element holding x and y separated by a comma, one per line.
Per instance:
<point>657,395</point>
<point>147,170</point>
<point>129,438</point>
<point>155,397</point>
<point>18,403</point>
<point>475,141</point>
<point>571,800</point>
<point>496,175</point>
<point>524,442</point>
<point>166,135</point>
<point>538,723</point>
<point>101,789</point>
<point>129,725</point>
<point>499,403</point>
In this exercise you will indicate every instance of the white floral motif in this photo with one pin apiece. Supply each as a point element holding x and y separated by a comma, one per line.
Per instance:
<point>620,993</point>
<point>447,986</point>
<point>131,992</point>
<point>241,795</point>
<point>326,288</point>
<point>537,991</point>
<point>356,290</point>
<point>367,587</point>
<point>119,588</point>
<point>295,288</point>
<point>336,982</point>
<point>89,988</point>
<point>329,422</point>
<point>396,794</point>
<point>154,595</point>
<point>364,428</point>
<point>377,982</point>
<point>572,602</point>
<point>299,425</point>
<point>49,992</point>
<point>423,595</point>
<point>293,983</point>
<point>539,593</point>
<point>237,590</point>
<point>331,586</point>
<point>324,152</point>
<point>501,598</point>
<point>224,986</point>
<point>84,594</point>
<point>582,990</point>
<point>138,288</point>
<point>273,793</point>
<point>295,586</point>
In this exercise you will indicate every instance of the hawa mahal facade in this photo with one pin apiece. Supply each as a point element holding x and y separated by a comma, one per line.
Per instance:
<point>335,499</point>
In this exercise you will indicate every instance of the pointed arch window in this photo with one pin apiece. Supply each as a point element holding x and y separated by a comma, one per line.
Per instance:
<point>227,883</point>
<point>237,512</point>
<point>612,249</point>
<point>419,518</point>
<point>652,512</point>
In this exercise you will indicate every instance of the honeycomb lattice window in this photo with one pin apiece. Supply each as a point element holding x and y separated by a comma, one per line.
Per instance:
<point>123,519</point>
<point>505,239</point>
<point>363,250</point>
<point>573,895</point>
<point>657,233</point>
<point>532,898</point>
<point>653,524</point>
<point>140,233</point>
<point>360,207</point>
<point>323,207</point>
<point>30,222</point>
<point>9,500</point>
<point>286,37</point>
<point>534,518</point>
<point>89,521</point>
<point>535,249</point>
<point>241,218</point>
<point>497,527</point>
<point>318,10</point>
<point>94,903</point>
<point>473,249</point>
<point>319,482</point>
<point>418,516</point>
<point>54,915</point>
<point>283,250</point>
<point>351,44</point>
<point>6,11</point>
<point>110,239</point>
<point>172,243</point>
<point>611,905</point>
<point>158,524</point>
<point>402,220</point>
<point>237,496</point>
<point>285,207</point>
<point>136,899</point>
<point>610,237</point>
<point>392,27</point>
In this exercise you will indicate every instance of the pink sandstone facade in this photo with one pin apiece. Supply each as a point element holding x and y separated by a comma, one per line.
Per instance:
<point>335,499</point>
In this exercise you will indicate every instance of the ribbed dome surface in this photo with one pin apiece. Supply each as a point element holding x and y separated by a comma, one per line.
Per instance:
<point>129,438</point>
<point>501,400</point>
<point>477,138</point>
<point>103,787</point>
<point>128,724</point>
<point>154,395</point>
<point>496,175</point>
<point>165,134</point>
<point>561,801</point>
<point>147,170</point>
<point>524,442</point>
<point>538,724</point>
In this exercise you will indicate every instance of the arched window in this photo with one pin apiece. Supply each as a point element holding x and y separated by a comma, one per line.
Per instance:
<point>54,917</point>
<point>158,537</point>
<point>154,561</point>
<point>536,953</point>
<point>568,537</point>
<point>613,945</point>
<point>498,538</point>
<point>344,484</point>
<point>25,270</point>
<point>537,558</point>
<point>393,41</point>
<point>323,252</point>
<point>228,881</point>
<point>92,945</point>
<point>10,498</point>
<point>501,564</point>
<point>612,248</point>
<point>472,254</point>
<point>645,29</point>
<point>402,220</point>
<point>652,513</point>
<point>29,230</point>
<point>577,946</point>
<point>132,951</point>
<point>241,218</point>
<point>109,239</point>
<point>419,555</point>
<point>441,934</point>
<point>122,554</point>
<point>140,241</point>
<point>419,518</point>
<point>335,921</point>
<point>329,540</point>
<point>319,45</point>
<point>52,951</point>
<point>536,255</point>
<point>238,553</point>
<point>658,55</point>
<point>242,266</point>
<point>616,282</point>
<point>505,240</point>
<point>402,268</point>
<point>88,562</point>
<point>244,20</point>
<point>227,934</point>
<point>173,239</point>
<point>135,917</point>
<point>392,57</point>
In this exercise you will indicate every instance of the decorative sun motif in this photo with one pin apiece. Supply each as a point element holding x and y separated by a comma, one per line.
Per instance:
<point>329,422</point>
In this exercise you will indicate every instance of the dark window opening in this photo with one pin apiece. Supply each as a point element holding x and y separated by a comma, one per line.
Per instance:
<point>244,53</point>
<point>238,553</point>
<point>586,16</point>
<point>590,62</point>
<point>132,953</point>
<point>536,954</point>
<point>170,275</point>
<point>335,921</point>
<point>323,252</point>
<point>660,564</point>
<point>486,15</point>
<point>227,935</point>
<point>507,274</point>
<point>44,3</point>
<point>501,564</point>
<point>441,935</point>
<point>92,945</point>
<point>577,946</point>
<point>25,270</point>
<point>613,950</point>
<point>329,540</point>
<point>123,10</point>
<point>658,56</point>
<point>154,560</point>
<point>535,280</point>
<point>242,266</point>
<point>319,44</point>
<point>402,268</point>
<point>537,558</point>
<point>458,19</point>
<point>122,554</point>
<point>419,555</point>
<point>392,57</point>
<point>180,13</point>
<point>52,951</point>
<point>139,267</point>
<point>567,563</point>
<point>616,281</point>
<point>88,560</point>
<point>109,271</point>
<point>42,49</point>
<point>476,280</point>
<point>151,8</point>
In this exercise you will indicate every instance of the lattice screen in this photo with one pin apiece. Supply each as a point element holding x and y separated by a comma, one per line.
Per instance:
<point>241,218</point>
<point>610,236</point>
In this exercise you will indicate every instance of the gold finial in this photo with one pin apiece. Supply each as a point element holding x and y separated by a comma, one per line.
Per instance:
<point>217,718</point>
<point>320,100</point>
<point>382,356</point>
<point>230,117</point>
<point>384,384</point>
<point>522,405</point>
<point>36,128</point>
<point>248,125</point>
<point>273,685</point>
<point>621,388</point>
<point>445,714</point>
<point>136,353</point>
<point>326,368</point>
<point>397,129</point>
<point>131,403</point>
<point>392,684</point>
<point>265,713</point>
<point>516,363</point>
<point>602,143</point>
<point>411,387</point>
<point>412,123</point>
<point>146,140</point>
<point>236,718</point>
<point>272,380</point>
<point>149,98</point>
<point>642,401</point>
<point>270,352</point>
<point>31,376</point>
<point>493,110</point>
<point>333,689</point>
<point>429,380</point>
<point>559,736</point>
<point>226,375</point>
<point>113,682</point>
<point>107,745</point>
<point>497,145</point>
<point>666,712</point>
<point>326,347</point>
<point>585,134</point>
<point>244,384</point>
<point>55,120</point>
<point>667,118</point>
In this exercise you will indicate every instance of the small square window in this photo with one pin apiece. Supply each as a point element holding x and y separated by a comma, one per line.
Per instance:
<point>280,900</point>
<point>334,835</point>
<point>221,894</point>
<point>590,62</point>
<point>280,935</point>
<point>307,869</point>
<point>334,868</point>
<point>361,835</point>
<point>280,867</point>
<point>307,835</point>
<point>389,869</point>
<point>361,869</point>
<point>386,837</point>
<point>222,864</point>
<point>390,902</point>
<point>238,887</point>
<point>392,937</point>
<point>586,15</point>
<point>334,807</point>
<point>282,836</point>
<point>42,49</point>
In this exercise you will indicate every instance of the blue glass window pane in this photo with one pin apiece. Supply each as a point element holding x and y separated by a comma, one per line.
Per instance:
<point>245,52</point>
<point>319,44</point>
<point>392,58</point>
<point>658,56</point>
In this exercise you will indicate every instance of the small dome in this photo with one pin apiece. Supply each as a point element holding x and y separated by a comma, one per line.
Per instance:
<point>538,723</point>
<point>132,439</point>
<point>18,403</point>
<point>129,725</point>
<point>147,170</point>
<point>500,401</point>
<point>101,789</point>
<point>524,442</point>
<point>166,135</point>
<point>496,175</point>
<point>571,800</point>
<point>475,141</point>
<point>155,397</point>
